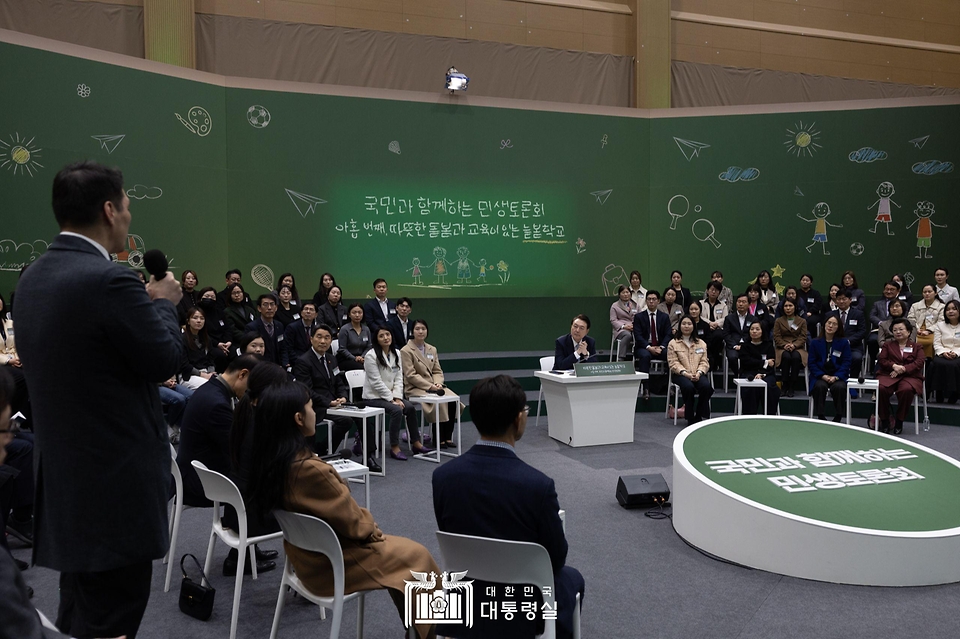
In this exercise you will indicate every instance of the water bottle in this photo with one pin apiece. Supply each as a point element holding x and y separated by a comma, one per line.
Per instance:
<point>926,423</point>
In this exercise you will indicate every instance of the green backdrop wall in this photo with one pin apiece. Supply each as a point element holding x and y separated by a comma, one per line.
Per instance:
<point>500,223</point>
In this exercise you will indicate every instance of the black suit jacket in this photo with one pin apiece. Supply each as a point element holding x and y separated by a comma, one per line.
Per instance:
<point>563,356</point>
<point>641,330</point>
<point>400,338</point>
<point>205,436</point>
<point>854,329</point>
<point>324,388</point>
<point>102,450</point>
<point>273,351</point>
<point>374,317</point>
<point>732,335</point>
<point>295,342</point>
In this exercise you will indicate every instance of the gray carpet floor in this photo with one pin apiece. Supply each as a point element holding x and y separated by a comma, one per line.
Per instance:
<point>642,579</point>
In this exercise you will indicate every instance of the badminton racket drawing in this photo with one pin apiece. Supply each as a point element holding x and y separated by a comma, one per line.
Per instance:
<point>262,276</point>
<point>703,230</point>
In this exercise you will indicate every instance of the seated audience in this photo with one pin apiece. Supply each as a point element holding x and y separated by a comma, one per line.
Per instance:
<point>297,335</point>
<point>621,321</point>
<point>383,388</point>
<point>651,335</point>
<point>377,311</point>
<point>726,295</point>
<point>736,332</point>
<point>191,296</point>
<point>878,314</point>
<point>904,295</point>
<point>422,375</point>
<point>288,311</point>
<point>832,298</point>
<point>854,328</point>
<point>714,311</point>
<point>829,369</point>
<point>269,328</point>
<point>216,322</point>
<point>768,292</point>
<point>944,291</point>
<point>287,279</point>
<point>399,324</point>
<point>701,329</point>
<point>900,372</point>
<point>672,308</point>
<point>10,361</point>
<point>925,315</point>
<point>332,312</point>
<point>327,282</point>
<point>233,276</point>
<point>792,293</point>
<point>790,338</point>
<point>757,361</point>
<point>576,347</point>
<point>758,309</point>
<point>286,475</point>
<point>897,309</point>
<point>690,365</point>
<point>637,292</point>
<point>857,298</point>
<point>490,492</point>
<point>683,295</point>
<point>201,352</point>
<point>237,313</point>
<point>944,370</point>
<point>813,303</point>
<point>354,340</point>
<point>173,398</point>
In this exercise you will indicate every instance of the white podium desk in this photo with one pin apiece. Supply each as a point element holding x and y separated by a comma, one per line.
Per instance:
<point>591,411</point>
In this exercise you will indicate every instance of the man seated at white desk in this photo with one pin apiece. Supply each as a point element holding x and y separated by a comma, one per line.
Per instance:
<point>575,348</point>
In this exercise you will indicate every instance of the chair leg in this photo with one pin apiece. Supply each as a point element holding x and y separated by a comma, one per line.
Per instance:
<point>360,601</point>
<point>238,584</point>
<point>576,618</point>
<point>281,600</point>
<point>172,552</point>
<point>209,560</point>
<point>539,400</point>
<point>253,559</point>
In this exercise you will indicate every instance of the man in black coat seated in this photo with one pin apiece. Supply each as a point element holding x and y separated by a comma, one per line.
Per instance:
<point>296,336</point>
<point>575,348</point>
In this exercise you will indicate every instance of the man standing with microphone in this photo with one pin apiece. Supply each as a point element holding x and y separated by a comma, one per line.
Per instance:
<point>103,460</point>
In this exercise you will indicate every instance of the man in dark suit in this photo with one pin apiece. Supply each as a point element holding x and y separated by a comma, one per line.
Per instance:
<point>317,370</point>
<point>576,347</point>
<point>854,328</point>
<point>400,325</point>
<point>651,334</point>
<point>103,454</point>
<point>377,311</point>
<point>879,313</point>
<point>296,336</point>
<point>736,331</point>
<point>490,492</point>
<point>269,328</point>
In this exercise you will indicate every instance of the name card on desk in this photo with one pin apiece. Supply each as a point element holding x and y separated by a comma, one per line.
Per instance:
<point>599,369</point>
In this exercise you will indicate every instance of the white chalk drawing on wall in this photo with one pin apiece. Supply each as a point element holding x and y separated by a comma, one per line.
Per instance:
<point>704,230</point>
<point>802,139</point>
<point>856,249</point>
<point>258,116</point>
<point>736,174</point>
<point>20,154</point>
<point>690,148</point>
<point>305,204</point>
<point>394,147</point>
<point>797,191</point>
<point>925,225</point>
<point>133,253</point>
<point>613,276</point>
<point>83,91</point>
<point>464,272</point>
<point>884,192</point>
<point>603,141</point>
<point>198,121</point>
<point>262,276</point>
<point>109,143</point>
<point>602,195</point>
<point>14,256</point>
<point>504,144</point>
<point>465,267</point>
<point>909,279</point>
<point>678,206</point>
<point>867,154</point>
<point>932,167</point>
<point>581,245</point>
<point>143,192</point>
<point>820,213</point>
<point>417,273</point>
<point>919,142</point>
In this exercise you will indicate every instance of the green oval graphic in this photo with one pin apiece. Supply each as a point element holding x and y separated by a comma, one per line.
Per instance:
<point>830,473</point>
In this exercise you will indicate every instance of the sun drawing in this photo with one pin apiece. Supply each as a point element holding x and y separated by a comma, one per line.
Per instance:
<point>802,139</point>
<point>19,155</point>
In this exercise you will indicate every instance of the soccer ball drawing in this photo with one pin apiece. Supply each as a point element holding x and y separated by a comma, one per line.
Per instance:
<point>258,116</point>
<point>856,248</point>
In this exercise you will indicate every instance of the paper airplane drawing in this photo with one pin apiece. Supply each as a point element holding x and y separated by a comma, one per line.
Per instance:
<point>109,142</point>
<point>305,203</point>
<point>797,191</point>
<point>602,195</point>
<point>919,142</point>
<point>689,148</point>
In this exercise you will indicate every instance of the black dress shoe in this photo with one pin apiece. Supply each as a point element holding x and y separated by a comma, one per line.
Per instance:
<point>29,592</point>
<point>22,530</point>
<point>837,419</point>
<point>230,567</point>
<point>646,394</point>
<point>265,555</point>
<point>898,427</point>
<point>21,565</point>
<point>373,465</point>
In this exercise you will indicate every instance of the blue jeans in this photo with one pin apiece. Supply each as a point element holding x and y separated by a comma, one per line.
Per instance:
<point>175,401</point>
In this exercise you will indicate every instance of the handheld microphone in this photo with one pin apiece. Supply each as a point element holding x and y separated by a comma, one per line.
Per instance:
<point>343,453</point>
<point>860,379</point>
<point>360,405</point>
<point>156,264</point>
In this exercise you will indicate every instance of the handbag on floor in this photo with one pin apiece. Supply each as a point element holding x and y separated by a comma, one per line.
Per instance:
<point>196,599</point>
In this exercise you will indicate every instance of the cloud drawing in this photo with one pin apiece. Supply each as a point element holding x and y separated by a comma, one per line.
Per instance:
<point>143,192</point>
<point>736,174</point>
<point>932,167</point>
<point>867,154</point>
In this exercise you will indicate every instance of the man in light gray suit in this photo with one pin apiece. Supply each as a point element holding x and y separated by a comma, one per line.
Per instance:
<point>103,460</point>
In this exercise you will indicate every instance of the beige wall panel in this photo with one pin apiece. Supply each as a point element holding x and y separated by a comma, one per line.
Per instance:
<point>776,12</point>
<point>942,79</point>
<point>129,3</point>
<point>607,24</point>
<point>541,16</point>
<point>362,19</point>
<point>605,44</point>
<point>712,55</point>
<point>429,25</point>
<point>844,69</point>
<point>323,2</point>
<point>941,33</point>
<point>388,6</point>
<point>860,23</point>
<point>822,4</point>
<point>941,11</point>
<point>910,76</point>
<point>496,12</point>
<point>740,9</point>
<point>450,9</point>
<point>555,39</point>
<point>239,8</point>
<point>288,11</point>
<point>496,32</point>
<point>708,35</point>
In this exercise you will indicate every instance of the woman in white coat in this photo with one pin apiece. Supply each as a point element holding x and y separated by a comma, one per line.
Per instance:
<point>383,388</point>
<point>422,375</point>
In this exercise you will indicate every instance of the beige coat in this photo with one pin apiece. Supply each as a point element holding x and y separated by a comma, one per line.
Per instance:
<point>420,371</point>
<point>783,335</point>
<point>371,559</point>
<point>682,356</point>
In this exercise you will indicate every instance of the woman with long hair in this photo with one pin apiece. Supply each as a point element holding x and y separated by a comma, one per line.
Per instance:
<point>285,474</point>
<point>924,315</point>
<point>684,297</point>
<point>621,321</point>
<point>422,374</point>
<point>191,296</point>
<point>201,352</point>
<point>829,363</point>
<point>287,279</point>
<point>945,365</point>
<point>790,338</point>
<point>327,281</point>
<point>757,362</point>
<point>354,340</point>
<point>673,307</point>
<point>332,312</point>
<point>768,292</point>
<point>689,363</point>
<point>897,309</point>
<point>857,298</point>
<point>288,311</point>
<point>237,312</point>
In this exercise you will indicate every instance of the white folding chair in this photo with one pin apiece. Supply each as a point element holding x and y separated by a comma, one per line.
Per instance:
<point>507,562</point>
<point>220,490</point>
<point>916,409</point>
<point>334,347</point>
<point>176,510</point>
<point>546,364</point>
<point>355,379</point>
<point>675,388</point>
<point>315,535</point>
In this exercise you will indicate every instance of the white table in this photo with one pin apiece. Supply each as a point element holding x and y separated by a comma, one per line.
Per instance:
<point>380,426</point>
<point>351,471</point>
<point>435,401</point>
<point>743,382</point>
<point>867,385</point>
<point>591,411</point>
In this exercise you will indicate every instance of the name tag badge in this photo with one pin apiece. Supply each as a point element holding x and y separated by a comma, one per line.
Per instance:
<point>836,353</point>
<point>957,334</point>
<point>853,322</point>
<point>296,316</point>
<point>908,349</point>
<point>344,318</point>
<point>793,326</point>
<point>429,356</point>
<point>809,300</point>
<point>293,302</point>
<point>221,323</point>
<point>364,339</point>
<point>336,370</point>
<point>699,331</point>
<point>393,311</point>
<point>698,351</point>
<point>280,339</point>
<point>747,324</point>
<point>853,300</point>
<point>251,317</point>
